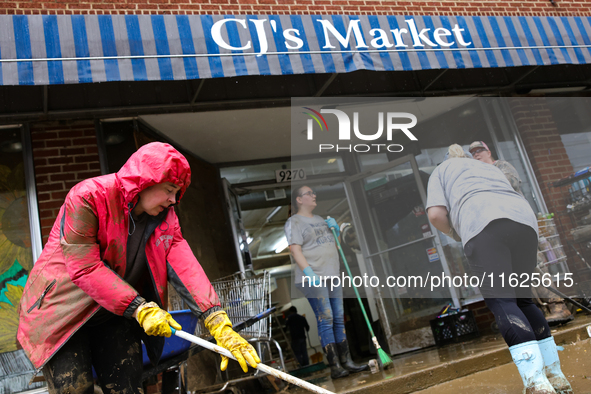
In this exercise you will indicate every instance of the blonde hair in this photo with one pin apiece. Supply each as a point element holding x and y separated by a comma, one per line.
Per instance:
<point>455,151</point>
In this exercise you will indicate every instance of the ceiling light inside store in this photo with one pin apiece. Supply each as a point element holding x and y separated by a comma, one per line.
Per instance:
<point>467,112</point>
<point>114,139</point>
<point>11,146</point>
<point>270,216</point>
<point>281,245</point>
<point>330,161</point>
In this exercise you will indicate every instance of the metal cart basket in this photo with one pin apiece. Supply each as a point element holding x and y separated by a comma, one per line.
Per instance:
<point>243,297</point>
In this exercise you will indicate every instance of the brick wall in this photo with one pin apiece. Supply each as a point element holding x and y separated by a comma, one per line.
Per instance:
<point>483,316</point>
<point>383,7</point>
<point>544,147</point>
<point>64,154</point>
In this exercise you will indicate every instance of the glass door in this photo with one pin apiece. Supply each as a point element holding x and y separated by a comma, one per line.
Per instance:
<point>400,247</point>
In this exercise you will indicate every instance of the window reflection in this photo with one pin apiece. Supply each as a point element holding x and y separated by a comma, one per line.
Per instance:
<point>16,257</point>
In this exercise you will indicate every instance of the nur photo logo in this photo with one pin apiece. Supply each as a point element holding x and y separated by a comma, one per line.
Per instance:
<point>387,124</point>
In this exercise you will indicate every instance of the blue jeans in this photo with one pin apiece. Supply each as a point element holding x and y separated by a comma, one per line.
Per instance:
<point>328,308</point>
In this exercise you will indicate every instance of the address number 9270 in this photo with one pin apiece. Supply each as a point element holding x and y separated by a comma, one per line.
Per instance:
<point>295,174</point>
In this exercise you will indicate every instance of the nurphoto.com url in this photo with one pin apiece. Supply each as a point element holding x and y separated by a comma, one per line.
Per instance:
<point>434,282</point>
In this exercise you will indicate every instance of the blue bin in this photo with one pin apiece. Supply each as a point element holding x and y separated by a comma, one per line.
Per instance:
<point>176,345</point>
<point>173,345</point>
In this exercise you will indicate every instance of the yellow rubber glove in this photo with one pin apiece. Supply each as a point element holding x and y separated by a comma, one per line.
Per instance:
<point>220,327</point>
<point>156,321</point>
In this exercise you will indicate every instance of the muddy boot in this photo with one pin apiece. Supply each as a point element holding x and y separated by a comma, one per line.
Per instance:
<point>336,370</point>
<point>554,308</point>
<point>552,366</point>
<point>530,363</point>
<point>558,313</point>
<point>347,361</point>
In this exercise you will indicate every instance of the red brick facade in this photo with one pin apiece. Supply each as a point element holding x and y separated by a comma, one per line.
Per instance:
<point>359,7</point>
<point>544,147</point>
<point>64,153</point>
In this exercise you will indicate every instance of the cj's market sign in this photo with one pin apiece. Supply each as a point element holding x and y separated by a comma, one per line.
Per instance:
<point>64,49</point>
<point>375,38</point>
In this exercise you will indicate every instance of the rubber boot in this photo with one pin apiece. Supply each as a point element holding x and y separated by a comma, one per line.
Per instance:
<point>347,361</point>
<point>336,370</point>
<point>530,363</point>
<point>558,313</point>
<point>554,308</point>
<point>552,366</point>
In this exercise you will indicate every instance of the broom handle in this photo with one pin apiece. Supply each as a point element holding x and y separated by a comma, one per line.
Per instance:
<point>262,367</point>
<point>334,233</point>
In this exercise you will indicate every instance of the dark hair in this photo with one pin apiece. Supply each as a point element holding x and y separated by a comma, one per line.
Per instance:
<point>293,309</point>
<point>295,193</point>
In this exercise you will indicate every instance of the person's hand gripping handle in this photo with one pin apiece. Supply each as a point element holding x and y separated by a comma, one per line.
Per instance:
<point>220,327</point>
<point>155,321</point>
<point>332,224</point>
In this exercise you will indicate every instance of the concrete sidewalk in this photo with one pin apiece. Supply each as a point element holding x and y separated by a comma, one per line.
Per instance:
<point>430,369</point>
<point>575,361</point>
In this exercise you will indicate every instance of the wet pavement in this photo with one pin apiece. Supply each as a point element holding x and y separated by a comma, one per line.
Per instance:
<point>575,361</point>
<point>458,367</point>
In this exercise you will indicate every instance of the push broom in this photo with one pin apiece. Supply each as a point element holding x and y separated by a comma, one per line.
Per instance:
<point>383,357</point>
<point>261,367</point>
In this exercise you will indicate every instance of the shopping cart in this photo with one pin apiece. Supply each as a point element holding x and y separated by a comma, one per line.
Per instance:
<point>246,298</point>
<point>242,296</point>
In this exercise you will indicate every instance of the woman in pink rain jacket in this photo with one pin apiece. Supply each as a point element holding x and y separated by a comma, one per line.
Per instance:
<point>114,247</point>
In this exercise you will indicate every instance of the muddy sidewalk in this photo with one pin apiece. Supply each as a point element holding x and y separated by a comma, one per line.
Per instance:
<point>484,363</point>
<point>575,361</point>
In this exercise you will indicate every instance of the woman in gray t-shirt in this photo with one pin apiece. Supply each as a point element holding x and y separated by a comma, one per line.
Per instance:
<point>314,252</point>
<point>499,232</point>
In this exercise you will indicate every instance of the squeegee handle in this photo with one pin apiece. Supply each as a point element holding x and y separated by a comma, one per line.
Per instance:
<point>262,367</point>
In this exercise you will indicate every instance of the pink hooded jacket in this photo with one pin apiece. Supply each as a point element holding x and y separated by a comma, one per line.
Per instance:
<point>70,282</point>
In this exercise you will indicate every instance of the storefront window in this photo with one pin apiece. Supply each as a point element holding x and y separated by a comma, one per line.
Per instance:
<point>118,144</point>
<point>461,125</point>
<point>16,253</point>
<point>477,119</point>
<point>504,146</point>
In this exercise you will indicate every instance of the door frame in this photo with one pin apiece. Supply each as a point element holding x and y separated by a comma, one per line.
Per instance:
<point>230,193</point>
<point>376,293</point>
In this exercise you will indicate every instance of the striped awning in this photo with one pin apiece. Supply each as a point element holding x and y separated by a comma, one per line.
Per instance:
<point>59,49</point>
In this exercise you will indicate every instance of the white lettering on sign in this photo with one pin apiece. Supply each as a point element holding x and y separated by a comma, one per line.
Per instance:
<point>216,33</point>
<point>438,37</point>
<point>353,27</point>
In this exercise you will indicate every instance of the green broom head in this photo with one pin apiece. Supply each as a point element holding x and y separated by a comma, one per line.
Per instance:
<point>383,358</point>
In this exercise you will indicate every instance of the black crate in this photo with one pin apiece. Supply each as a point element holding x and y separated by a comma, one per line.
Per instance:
<point>454,328</point>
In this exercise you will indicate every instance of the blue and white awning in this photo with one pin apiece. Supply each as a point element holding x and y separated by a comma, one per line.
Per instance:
<point>58,49</point>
